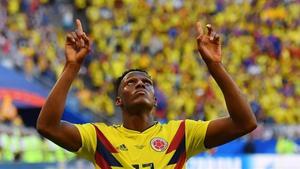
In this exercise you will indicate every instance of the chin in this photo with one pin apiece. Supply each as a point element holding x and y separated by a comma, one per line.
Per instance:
<point>142,104</point>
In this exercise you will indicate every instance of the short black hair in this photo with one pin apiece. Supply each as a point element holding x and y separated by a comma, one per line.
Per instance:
<point>119,79</point>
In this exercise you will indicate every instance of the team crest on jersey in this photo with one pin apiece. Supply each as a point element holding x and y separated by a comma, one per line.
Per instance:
<point>159,144</point>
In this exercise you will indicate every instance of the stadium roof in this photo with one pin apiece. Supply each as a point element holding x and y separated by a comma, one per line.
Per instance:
<point>25,92</point>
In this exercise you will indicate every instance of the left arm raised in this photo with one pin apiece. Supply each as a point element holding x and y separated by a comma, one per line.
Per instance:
<point>241,120</point>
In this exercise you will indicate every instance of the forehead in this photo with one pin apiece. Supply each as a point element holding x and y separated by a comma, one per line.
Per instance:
<point>136,74</point>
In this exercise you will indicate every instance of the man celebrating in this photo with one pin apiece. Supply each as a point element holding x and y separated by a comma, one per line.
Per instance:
<point>140,142</point>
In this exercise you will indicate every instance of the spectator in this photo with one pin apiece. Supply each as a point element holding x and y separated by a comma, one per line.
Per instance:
<point>8,112</point>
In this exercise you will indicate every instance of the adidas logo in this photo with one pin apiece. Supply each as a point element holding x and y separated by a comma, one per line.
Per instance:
<point>122,147</point>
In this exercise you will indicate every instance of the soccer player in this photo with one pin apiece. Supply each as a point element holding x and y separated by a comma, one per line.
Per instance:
<point>141,142</point>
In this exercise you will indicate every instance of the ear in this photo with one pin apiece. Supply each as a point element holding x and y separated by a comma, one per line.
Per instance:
<point>118,101</point>
<point>155,102</point>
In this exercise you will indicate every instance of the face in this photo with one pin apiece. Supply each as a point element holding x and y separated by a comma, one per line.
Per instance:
<point>136,89</point>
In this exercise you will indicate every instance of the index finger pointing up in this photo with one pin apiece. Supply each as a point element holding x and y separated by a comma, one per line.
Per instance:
<point>79,26</point>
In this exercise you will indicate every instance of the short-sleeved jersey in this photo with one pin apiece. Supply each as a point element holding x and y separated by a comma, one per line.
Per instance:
<point>160,146</point>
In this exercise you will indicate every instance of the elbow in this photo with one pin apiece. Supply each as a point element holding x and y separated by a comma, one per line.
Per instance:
<point>43,127</point>
<point>249,123</point>
<point>45,131</point>
<point>252,125</point>
<point>42,130</point>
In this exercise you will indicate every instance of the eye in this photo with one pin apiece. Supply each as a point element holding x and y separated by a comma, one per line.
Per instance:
<point>130,82</point>
<point>148,82</point>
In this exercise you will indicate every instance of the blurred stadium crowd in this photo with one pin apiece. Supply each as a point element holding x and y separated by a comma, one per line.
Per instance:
<point>260,46</point>
<point>23,144</point>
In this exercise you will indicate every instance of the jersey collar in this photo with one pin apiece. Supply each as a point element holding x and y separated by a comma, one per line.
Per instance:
<point>148,130</point>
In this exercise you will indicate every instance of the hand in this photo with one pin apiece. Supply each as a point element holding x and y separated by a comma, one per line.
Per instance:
<point>77,45</point>
<point>209,45</point>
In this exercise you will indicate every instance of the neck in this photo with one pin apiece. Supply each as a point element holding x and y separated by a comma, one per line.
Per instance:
<point>138,122</point>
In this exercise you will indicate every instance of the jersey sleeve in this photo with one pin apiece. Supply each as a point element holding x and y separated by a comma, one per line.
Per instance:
<point>195,135</point>
<point>88,139</point>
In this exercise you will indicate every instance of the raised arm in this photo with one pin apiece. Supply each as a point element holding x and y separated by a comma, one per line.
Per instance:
<point>241,120</point>
<point>49,122</point>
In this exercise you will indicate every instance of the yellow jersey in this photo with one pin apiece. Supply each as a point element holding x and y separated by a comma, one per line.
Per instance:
<point>162,146</point>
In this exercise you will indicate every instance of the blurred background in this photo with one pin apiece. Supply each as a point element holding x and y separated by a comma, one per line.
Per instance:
<point>260,48</point>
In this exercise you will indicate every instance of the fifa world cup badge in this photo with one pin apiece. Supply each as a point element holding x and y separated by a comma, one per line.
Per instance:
<point>159,144</point>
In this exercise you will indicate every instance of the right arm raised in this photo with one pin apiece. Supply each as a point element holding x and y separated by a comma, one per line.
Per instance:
<point>49,122</point>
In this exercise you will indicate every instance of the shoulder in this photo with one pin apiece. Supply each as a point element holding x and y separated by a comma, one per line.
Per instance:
<point>172,124</point>
<point>189,121</point>
<point>100,125</point>
<point>92,126</point>
<point>103,126</point>
<point>175,121</point>
<point>185,123</point>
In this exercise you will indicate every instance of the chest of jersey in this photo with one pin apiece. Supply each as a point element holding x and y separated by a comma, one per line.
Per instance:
<point>157,147</point>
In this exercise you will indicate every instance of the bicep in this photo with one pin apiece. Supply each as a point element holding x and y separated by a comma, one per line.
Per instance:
<point>221,131</point>
<point>65,135</point>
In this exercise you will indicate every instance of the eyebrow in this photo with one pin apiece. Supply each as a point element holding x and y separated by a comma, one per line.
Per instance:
<point>144,78</point>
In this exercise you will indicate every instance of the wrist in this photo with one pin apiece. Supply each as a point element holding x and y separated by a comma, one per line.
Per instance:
<point>213,64</point>
<point>72,66</point>
<point>214,67</point>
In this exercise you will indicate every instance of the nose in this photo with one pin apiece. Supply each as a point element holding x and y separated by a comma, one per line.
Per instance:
<point>140,83</point>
